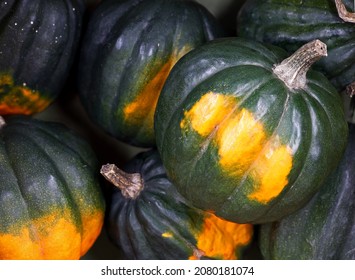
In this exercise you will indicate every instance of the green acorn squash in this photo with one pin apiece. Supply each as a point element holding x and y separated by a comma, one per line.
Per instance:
<point>290,24</point>
<point>245,134</point>
<point>148,219</point>
<point>128,50</point>
<point>38,41</point>
<point>325,227</point>
<point>51,205</point>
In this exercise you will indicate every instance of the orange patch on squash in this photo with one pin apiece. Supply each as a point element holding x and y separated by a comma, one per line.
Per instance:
<point>16,99</point>
<point>240,139</point>
<point>208,113</point>
<point>271,170</point>
<point>92,225</point>
<point>141,111</point>
<point>53,236</point>
<point>221,239</point>
<point>242,143</point>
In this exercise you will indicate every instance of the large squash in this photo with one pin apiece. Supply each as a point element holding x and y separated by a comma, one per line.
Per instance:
<point>290,24</point>
<point>148,219</point>
<point>325,227</point>
<point>127,53</point>
<point>248,135</point>
<point>38,41</point>
<point>51,205</point>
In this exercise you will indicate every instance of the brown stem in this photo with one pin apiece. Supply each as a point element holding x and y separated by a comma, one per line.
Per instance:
<point>343,13</point>
<point>350,89</point>
<point>292,71</point>
<point>130,184</point>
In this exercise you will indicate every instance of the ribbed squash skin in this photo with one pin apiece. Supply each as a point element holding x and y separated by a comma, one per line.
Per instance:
<point>38,41</point>
<point>160,224</point>
<point>325,227</point>
<point>127,53</point>
<point>51,205</point>
<point>235,140</point>
<point>290,24</point>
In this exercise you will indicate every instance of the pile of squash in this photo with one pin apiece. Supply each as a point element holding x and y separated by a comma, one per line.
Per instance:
<point>159,128</point>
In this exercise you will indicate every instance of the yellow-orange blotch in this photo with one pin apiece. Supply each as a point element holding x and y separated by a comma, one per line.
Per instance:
<point>240,140</point>
<point>141,110</point>
<point>54,236</point>
<point>242,143</point>
<point>205,116</point>
<point>271,170</point>
<point>92,224</point>
<point>222,239</point>
<point>16,99</point>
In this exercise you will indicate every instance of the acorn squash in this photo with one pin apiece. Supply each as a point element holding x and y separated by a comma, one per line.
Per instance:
<point>148,219</point>
<point>51,204</point>
<point>38,42</point>
<point>245,132</point>
<point>128,50</point>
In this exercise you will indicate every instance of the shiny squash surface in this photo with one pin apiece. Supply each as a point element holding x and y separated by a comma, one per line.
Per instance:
<point>127,53</point>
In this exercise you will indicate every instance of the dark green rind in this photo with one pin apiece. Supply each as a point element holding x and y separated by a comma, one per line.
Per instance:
<point>311,122</point>
<point>291,24</point>
<point>125,45</point>
<point>325,228</point>
<point>38,41</point>
<point>45,167</point>
<point>137,225</point>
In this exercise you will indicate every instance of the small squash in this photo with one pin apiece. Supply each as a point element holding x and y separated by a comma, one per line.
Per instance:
<point>38,41</point>
<point>325,227</point>
<point>128,50</point>
<point>290,24</point>
<point>246,133</point>
<point>51,204</point>
<point>148,219</point>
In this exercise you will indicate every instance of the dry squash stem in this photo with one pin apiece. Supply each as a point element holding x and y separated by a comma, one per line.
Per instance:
<point>343,13</point>
<point>292,70</point>
<point>130,184</point>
